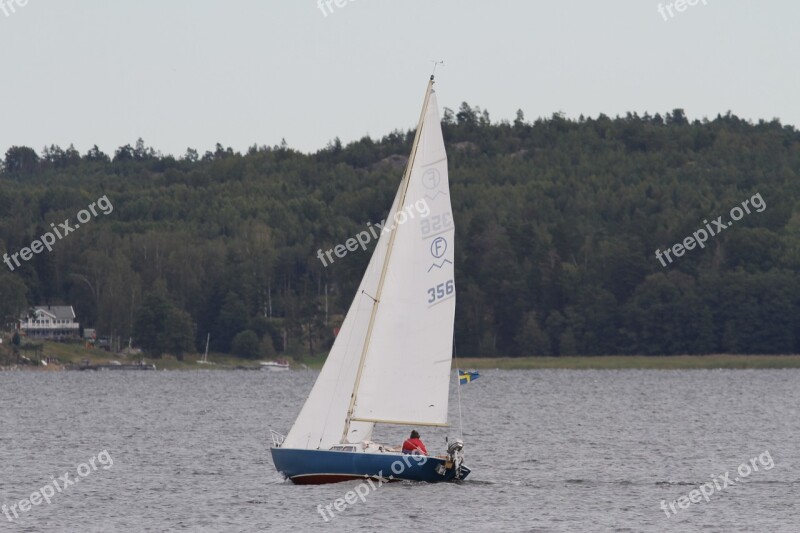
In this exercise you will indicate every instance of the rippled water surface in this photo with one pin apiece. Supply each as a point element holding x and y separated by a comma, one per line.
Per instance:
<point>550,450</point>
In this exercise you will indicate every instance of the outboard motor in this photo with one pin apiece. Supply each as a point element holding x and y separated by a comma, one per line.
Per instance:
<point>455,457</point>
<point>455,447</point>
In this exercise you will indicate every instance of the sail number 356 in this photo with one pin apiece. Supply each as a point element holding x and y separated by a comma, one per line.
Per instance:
<point>441,291</point>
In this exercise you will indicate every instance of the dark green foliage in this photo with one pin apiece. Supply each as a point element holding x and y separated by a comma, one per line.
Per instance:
<point>150,323</point>
<point>160,327</point>
<point>20,160</point>
<point>557,225</point>
<point>13,301</point>
<point>246,344</point>
<point>178,334</point>
<point>666,315</point>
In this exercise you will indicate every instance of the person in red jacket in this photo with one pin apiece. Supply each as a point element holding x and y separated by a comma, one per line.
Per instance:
<point>414,445</point>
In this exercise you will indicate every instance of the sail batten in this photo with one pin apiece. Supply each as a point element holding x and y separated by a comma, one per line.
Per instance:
<point>402,422</point>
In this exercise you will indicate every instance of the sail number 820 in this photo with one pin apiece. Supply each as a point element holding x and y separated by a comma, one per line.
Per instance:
<point>441,291</point>
<point>436,223</point>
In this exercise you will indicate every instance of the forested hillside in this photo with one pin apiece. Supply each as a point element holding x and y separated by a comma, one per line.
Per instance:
<point>557,225</point>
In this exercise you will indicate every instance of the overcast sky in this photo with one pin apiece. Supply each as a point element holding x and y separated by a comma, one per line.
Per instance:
<point>183,73</point>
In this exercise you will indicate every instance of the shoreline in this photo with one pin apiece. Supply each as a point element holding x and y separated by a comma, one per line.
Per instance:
<point>72,355</point>
<point>641,362</point>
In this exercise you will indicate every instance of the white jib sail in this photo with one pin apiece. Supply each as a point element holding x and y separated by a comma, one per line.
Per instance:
<point>405,374</point>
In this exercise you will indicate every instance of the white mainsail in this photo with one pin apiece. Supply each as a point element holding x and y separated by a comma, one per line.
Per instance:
<point>391,361</point>
<point>406,372</point>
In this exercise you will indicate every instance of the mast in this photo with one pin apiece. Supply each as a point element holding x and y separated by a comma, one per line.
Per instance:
<point>377,297</point>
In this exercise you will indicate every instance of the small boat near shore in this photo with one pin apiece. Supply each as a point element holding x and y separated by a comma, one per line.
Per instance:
<point>275,366</point>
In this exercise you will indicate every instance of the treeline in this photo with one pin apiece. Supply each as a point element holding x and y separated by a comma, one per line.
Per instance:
<point>557,224</point>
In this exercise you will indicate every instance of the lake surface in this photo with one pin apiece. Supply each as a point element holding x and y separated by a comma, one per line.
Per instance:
<point>550,450</point>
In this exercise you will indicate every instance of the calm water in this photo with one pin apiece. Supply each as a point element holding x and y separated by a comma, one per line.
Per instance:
<point>551,450</point>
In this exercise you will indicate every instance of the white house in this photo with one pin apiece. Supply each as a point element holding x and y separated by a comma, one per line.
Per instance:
<point>49,322</point>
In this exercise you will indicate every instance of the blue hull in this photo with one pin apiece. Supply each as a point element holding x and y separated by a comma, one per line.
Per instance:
<point>327,466</point>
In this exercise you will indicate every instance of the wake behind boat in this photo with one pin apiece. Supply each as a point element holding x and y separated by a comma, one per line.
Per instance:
<point>400,323</point>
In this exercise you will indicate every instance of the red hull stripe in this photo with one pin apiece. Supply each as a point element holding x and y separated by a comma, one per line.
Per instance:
<point>319,479</point>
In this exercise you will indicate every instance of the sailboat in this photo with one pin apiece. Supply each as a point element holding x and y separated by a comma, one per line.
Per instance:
<point>204,360</point>
<point>391,361</point>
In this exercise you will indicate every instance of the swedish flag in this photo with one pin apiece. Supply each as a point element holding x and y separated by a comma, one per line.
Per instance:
<point>465,377</point>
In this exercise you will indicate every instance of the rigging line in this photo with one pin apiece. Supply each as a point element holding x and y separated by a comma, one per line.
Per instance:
<point>458,385</point>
